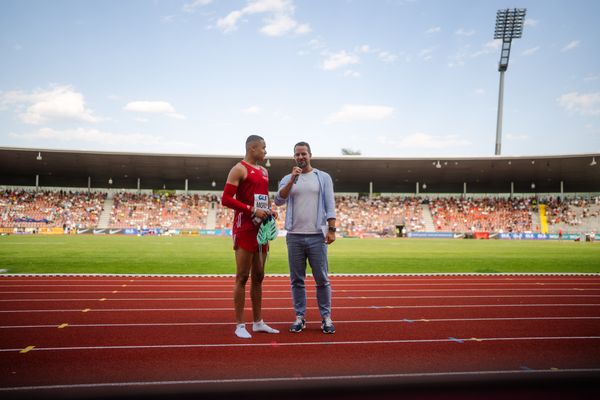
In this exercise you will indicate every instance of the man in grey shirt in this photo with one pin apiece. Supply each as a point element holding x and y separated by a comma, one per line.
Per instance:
<point>310,225</point>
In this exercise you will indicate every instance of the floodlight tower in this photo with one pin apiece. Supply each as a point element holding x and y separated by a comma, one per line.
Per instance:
<point>509,26</point>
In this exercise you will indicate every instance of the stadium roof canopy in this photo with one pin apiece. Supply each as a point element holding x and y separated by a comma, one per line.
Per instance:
<point>494,174</point>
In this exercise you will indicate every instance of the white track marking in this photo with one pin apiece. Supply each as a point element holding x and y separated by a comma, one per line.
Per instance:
<point>375,321</point>
<point>308,308</point>
<point>308,289</point>
<point>305,379</point>
<point>338,297</point>
<point>302,344</point>
<point>337,284</point>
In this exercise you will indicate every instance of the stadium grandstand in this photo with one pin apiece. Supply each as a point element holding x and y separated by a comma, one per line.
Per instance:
<point>61,191</point>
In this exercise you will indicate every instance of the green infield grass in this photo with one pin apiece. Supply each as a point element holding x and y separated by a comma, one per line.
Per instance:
<point>214,255</point>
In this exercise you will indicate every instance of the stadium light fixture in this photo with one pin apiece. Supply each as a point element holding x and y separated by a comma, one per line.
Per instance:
<point>438,165</point>
<point>39,156</point>
<point>509,26</point>
<point>593,162</point>
<point>268,163</point>
<point>532,185</point>
<point>424,186</point>
<point>110,181</point>
<point>213,184</point>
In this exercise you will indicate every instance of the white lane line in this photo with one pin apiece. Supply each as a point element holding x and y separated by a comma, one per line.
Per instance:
<point>342,275</point>
<point>292,344</point>
<point>552,296</point>
<point>340,322</point>
<point>337,284</point>
<point>306,379</point>
<point>336,277</point>
<point>308,289</point>
<point>374,307</point>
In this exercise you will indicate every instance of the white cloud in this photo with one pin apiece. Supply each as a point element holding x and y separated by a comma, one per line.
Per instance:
<point>98,137</point>
<point>387,56</point>
<point>303,29</point>
<point>464,32</point>
<point>479,91</point>
<point>153,107</point>
<point>252,110</point>
<point>583,104</point>
<point>351,74</point>
<point>229,23</point>
<point>434,29</point>
<point>530,51</point>
<point>511,136</point>
<point>339,60</point>
<point>383,55</point>
<point>573,44</point>
<point>191,7</point>
<point>283,24</point>
<point>356,112</point>
<point>493,44</point>
<point>41,106</point>
<point>424,141</point>
<point>530,22</point>
<point>426,54</point>
<point>465,53</point>
<point>278,22</point>
<point>167,19</point>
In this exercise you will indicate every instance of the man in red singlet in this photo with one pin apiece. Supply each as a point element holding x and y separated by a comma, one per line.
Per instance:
<point>249,183</point>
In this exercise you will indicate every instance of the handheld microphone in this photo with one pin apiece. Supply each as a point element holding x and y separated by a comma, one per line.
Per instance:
<point>296,177</point>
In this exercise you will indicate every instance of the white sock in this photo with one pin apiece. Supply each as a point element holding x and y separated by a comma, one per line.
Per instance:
<point>260,326</point>
<point>241,332</point>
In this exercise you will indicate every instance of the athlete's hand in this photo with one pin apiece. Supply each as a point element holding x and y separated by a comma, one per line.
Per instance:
<point>261,213</point>
<point>274,214</point>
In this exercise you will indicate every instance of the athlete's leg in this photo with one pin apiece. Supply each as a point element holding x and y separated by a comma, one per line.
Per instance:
<point>257,277</point>
<point>243,261</point>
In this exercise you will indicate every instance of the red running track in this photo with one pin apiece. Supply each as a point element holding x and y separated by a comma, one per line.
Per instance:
<point>74,335</point>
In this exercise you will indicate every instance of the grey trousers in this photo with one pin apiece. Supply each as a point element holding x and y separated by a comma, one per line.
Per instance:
<point>312,248</point>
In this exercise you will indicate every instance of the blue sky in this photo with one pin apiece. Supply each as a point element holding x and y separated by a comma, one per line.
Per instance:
<point>389,78</point>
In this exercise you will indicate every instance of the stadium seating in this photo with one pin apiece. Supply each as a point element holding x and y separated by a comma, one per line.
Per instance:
<point>132,210</point>
<point>482,215</point>
<point>356,215</point>
<point>65,209</point>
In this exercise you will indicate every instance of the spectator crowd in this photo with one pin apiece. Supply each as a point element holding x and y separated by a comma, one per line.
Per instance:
<point>65,209</point>
<point>356,215</point>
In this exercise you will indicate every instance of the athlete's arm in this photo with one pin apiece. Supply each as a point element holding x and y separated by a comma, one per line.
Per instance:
<point>235,177</point>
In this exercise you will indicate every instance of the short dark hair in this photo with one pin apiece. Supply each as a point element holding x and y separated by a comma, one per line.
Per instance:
<point>303,144</point>
<point>253,138</point>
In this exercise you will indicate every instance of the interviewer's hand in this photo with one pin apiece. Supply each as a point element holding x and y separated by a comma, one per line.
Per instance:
<point>330,238</point>
<point>296,171</point>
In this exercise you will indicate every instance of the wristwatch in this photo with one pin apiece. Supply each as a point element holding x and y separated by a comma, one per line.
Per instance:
<point>332,229</point>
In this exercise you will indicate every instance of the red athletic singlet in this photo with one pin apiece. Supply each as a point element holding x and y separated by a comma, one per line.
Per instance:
<point>253,190</point>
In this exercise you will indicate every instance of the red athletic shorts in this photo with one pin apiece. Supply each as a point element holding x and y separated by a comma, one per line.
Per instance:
<point>247,240</point>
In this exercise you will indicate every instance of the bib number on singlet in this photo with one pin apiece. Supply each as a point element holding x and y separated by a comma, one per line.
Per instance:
<point>261,201</point>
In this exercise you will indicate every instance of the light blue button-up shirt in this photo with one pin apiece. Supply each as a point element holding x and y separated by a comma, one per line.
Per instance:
<point>326,205</point>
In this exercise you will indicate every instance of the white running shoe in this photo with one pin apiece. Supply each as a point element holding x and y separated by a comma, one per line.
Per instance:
<point>260,326</point>
<point>241,332</point>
